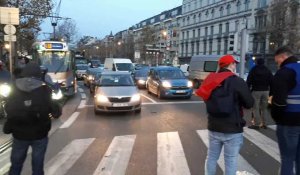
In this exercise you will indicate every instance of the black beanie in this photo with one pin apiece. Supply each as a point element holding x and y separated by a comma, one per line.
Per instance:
<point>32,70</point>
<point>260,61</point>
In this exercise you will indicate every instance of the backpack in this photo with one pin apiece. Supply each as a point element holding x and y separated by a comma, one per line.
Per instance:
<point>221,102</point>
<point>29,107</point>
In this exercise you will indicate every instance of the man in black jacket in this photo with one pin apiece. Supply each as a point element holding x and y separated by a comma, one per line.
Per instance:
<point>28,110</point>
<point>285,109</point>
<point>259,81</point>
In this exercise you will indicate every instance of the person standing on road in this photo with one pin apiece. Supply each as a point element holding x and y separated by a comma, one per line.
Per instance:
<point>285,109</point>
<point>259,81</point>
<point>28,120</point>
<point>225,130</point>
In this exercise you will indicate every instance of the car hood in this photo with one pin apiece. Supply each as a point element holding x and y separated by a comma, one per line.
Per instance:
<point>177,82</point>
<point>110,91</point>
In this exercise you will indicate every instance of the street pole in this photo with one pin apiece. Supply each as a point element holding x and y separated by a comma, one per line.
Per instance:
<point>244,46</point>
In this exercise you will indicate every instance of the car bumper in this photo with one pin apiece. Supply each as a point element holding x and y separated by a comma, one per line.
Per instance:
<point>177,92</point>
<point>117,107</point>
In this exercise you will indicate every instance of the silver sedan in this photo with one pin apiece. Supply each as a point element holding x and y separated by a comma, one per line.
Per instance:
<point>116,92</point>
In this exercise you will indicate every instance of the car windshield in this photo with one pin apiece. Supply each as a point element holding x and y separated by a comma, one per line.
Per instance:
<point>81,67</point>
<point>142,73</point>
<point>55,61</point>
<point>170,74</point>
<point>116,80</point>
<point>124,66</point>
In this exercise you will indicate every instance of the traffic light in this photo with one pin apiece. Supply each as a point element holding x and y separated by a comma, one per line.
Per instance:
<point>233,41</point>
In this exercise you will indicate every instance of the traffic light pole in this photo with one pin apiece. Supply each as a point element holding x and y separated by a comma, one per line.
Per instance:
<point>244,46</point>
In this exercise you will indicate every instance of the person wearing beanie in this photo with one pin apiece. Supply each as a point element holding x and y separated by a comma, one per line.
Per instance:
<point>28,109</point>
<point>259,81</point>
<point>225,130</point>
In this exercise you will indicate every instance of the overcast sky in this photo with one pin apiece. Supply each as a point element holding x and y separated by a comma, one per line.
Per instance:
<point>98,17</point>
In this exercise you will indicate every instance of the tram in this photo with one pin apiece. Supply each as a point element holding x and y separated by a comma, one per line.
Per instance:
<point>56,57</point>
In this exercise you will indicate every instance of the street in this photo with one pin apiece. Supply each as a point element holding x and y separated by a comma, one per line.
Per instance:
<point>168,137</point>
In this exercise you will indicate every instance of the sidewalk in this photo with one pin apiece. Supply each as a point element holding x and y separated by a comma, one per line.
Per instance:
<point>5,139</point>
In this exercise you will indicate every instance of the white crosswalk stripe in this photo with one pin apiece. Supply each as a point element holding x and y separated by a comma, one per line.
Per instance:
<point>171,158</point>
<point>263,142</point>
<point>63,161</point>
<point>243,165</point>
<point>116,158</point>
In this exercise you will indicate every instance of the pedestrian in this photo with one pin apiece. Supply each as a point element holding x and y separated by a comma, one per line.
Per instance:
<point>225,128</point>
<point>28,109</point>
<point>285,109</point>
<point>259,81</point>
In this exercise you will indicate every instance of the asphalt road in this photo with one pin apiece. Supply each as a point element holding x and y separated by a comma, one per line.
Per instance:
<point>167,137</point>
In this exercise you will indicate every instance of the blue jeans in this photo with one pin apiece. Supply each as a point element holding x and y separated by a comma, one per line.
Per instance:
<point>19,153</point>
<point>289,146</point>
<point>232,144</point>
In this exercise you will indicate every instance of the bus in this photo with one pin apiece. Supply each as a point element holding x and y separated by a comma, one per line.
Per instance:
<point>56,57</point>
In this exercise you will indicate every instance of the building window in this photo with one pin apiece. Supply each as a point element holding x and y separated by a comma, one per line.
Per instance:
<point>236,26</point>
<point>186,49</point>
<point>192,45</point>
<point>206,31</point>
<point>197,48</point>
<point>206,14</point>
<point>183,21</point>
<point>228,9</point>
<point>195,6</point>
<point>220,28</point>
<point>200,4</point>
<point>194,18</point>
<point>194,33</point>
<point>213,13</point>
<point>225,45</point>
<point>183,9</point>
<point>238,6</point>
<point>262,3</point>
<point>199,17</point>
<point>227,27</point>
<point>189,7</point>
<point>188,20</point>
<point>219,46</point>
<point>204,47</point>
<point>210,47</point>
<point>199,33</point>
<point>247,2</point>
<point>221,11</point>
<point>183,35</point>
<point>211,31</point>
<point>187,34</point>
<point>182,49</point>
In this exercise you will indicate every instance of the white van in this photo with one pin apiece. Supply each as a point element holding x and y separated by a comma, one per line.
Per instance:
<point>201,66</point>
<point>118,64</point>
<point>185,69</point>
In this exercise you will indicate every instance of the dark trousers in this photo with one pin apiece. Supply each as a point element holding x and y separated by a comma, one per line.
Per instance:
<point>289,146</point>
<point>19,153</point>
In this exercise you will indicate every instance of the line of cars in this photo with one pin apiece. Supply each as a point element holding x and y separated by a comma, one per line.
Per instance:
<point>116,87</point>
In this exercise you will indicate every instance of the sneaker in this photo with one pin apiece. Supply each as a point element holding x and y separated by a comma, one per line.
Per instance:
<point>253,127</point>
<point>263,126</point>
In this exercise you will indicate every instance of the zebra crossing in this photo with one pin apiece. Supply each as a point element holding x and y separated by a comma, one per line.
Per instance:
<point>171,158</point>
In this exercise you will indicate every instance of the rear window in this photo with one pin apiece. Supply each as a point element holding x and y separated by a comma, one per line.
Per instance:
<point>210,66</point>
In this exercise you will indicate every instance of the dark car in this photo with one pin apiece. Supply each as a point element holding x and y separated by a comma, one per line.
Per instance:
<point>140,77</point>
<point>166,81</point>
<point>81,70</point>
<point>90,73</point>
<point>95,63</point>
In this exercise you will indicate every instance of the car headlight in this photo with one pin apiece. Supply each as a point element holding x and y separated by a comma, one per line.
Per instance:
<point>136,97</point>
<point>5,90</point>
<point>166,84</point>
<point>90,77</point>
<point>102,99</point>
<point>190,84</point>
<point>58,95</point>
<point>141,82</point>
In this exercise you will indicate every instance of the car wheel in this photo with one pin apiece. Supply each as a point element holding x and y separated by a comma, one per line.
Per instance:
<point>159,95</point>
<point>196,84</point>
<point>96,112</point>
<point>138,111</point>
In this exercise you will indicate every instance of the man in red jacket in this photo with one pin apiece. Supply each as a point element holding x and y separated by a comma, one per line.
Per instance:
<point>225,131</point>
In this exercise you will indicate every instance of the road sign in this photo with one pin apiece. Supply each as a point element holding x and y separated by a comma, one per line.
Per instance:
<point>10,38</point>
<point>9,29</point>
<point>9,15</point>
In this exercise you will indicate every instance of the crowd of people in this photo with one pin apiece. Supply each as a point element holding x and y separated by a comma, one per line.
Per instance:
<point>226,126</point>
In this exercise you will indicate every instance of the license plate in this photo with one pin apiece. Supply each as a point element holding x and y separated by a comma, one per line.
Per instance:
<point>180,91</point>
<point>119,104</point>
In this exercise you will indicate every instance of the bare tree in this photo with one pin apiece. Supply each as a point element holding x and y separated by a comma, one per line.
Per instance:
<point>32,13</point>
<point>284,23</point>
<point>67,31</point>
<point>148,37</point>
